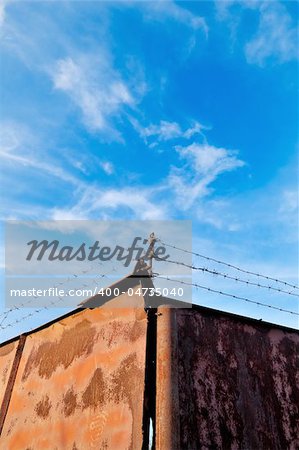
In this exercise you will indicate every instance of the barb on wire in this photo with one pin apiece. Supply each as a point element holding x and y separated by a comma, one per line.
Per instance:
<point>208,258</point>
<point>229,295</point>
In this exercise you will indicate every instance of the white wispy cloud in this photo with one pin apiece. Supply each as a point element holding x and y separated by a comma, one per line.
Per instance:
<point>94,202</point>
<point>289,201</point>
<point>3,4</point>
<point>268,213</point>
<point>164,131</point>
<point>95,87</point>
<point>276,36</point>
<point>203,163</point>
<point>161,10</point>
<point>19,146</point>
<point>167,131</point>
<point>108,167</point>
<point>186,184</point>
<point>224,7</point>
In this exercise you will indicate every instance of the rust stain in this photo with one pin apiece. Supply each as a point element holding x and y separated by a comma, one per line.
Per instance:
<point>128,383</point>
<point>43,407</point>
<point>75,342</point>
<point>136,331</point>
<point>123,378</point>
<point>119,329</point>
<point>94,393</point>
<point>70,402</point>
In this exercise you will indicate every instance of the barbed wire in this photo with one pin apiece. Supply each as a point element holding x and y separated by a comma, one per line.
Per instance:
<point>193,267</point>
<point>227,294</point>
<point>36,311</point>
<point>56,285</point>
<point>224,275</point>
<point>208,258</point>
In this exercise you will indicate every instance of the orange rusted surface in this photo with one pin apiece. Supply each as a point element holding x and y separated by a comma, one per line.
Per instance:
<point>7,354</point>
<point>80,382</point>
<point>236,382</point>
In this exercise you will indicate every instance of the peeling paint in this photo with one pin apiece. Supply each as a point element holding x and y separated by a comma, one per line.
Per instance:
<point>69,402</point>
<point>74,343</point>
<point>93,396</point>
<point>43,407</point>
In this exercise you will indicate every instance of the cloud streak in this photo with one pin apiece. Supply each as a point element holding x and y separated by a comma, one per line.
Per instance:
<point>203,163</point>
<point>168,131</point>
<point>2,11</point>
<point>161,10</point>
<point>19,147</point>
<point>126,203</point>
<point>95,87</point>
<point>276,37</point>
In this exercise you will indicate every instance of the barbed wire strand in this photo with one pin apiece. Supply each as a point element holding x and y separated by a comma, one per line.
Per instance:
<point>36,311</point>
<point>228,295</point>
<point>208,258</point>
<point>224,275</point>
<point>56,285</point>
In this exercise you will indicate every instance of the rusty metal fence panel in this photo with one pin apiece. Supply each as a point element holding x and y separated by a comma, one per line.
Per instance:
<point>225,383</point>
<point>80,383</point>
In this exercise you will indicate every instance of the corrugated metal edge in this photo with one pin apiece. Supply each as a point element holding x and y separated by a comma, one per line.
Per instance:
<point>11,381</point>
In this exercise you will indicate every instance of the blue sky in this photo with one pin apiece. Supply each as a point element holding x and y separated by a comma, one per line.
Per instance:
<point>158,110</point>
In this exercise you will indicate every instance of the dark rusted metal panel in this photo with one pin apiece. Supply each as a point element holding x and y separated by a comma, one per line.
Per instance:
<point>80,382</point>
<point>237,382</point>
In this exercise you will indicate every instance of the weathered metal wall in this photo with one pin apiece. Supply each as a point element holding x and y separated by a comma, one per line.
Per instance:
<point>7,354</point>
<point>80,382</point>
<point>222,381</point>
<point>225,383</point>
